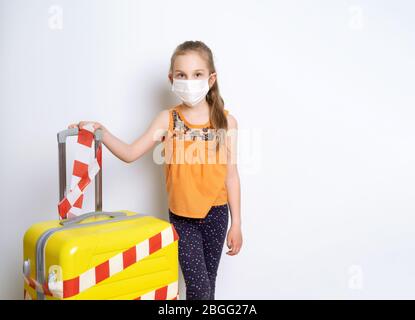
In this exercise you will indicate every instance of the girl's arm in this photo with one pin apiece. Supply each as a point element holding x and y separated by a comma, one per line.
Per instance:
<point>131,152</point>
<point>233,189</point>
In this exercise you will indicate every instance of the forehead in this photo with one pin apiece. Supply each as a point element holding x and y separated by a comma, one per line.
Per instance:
<point>189,62</point>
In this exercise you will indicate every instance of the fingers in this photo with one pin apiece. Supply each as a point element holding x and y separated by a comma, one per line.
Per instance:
<point>234,251</point>
<point>234,247</point>
<point>78,125</point>
<point>96,125</point>
<point>81,124</point>
<point>73,125</point>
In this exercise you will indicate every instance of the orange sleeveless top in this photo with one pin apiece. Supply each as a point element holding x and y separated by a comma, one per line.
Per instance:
<point>195,167</point>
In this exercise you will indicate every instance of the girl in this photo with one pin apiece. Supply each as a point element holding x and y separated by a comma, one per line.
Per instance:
<point>200,188</point>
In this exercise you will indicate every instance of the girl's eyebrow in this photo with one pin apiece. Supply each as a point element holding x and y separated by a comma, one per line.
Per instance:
<point>193,70</point>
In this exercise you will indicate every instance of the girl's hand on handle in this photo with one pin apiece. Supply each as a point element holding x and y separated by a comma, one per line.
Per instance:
<point>81,124</point>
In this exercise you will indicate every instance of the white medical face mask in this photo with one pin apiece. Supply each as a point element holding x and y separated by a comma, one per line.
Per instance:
<point>191,92</point>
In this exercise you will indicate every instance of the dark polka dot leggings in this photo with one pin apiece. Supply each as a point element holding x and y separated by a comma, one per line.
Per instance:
<point>201,242</point>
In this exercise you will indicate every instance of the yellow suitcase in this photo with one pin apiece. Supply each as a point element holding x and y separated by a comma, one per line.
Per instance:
<point>100,255</point>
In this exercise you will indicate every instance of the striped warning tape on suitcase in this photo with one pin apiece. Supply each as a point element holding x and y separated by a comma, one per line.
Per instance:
<point>168,292</point>
<point>116,264</point>
<point>37,286</point>
<point>85,167</point>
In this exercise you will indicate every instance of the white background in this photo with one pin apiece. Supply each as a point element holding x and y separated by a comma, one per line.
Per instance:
<point>323,92</point>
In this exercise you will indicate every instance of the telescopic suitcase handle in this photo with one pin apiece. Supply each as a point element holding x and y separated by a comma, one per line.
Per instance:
<point>76,220</point>
<point>62,135</point>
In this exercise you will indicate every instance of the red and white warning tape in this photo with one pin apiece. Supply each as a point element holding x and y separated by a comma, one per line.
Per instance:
<point>169,292</point>
<point>71,287</point>
<point>37,286</point>
<point>85,167</point>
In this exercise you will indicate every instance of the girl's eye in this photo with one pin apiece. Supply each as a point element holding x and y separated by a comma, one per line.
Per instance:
<point>198,74</point>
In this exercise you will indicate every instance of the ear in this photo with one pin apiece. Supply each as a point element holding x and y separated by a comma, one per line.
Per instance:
<point>170,76</point>
<point>212,79</point>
